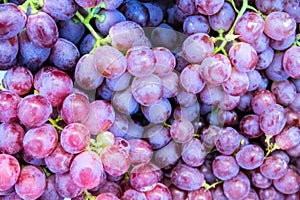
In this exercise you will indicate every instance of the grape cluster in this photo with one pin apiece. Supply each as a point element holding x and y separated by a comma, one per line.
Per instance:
<point>150,100</point>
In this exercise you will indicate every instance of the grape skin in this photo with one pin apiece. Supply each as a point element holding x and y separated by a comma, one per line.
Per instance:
<point>9,102</point>
<point>10,171</point>
<point>291,62</point>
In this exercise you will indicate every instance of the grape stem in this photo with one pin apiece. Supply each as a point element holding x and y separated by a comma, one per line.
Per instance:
<point>2,88</point>
<point>297,41</point>
<point>88,196</point>
<point>231,31</point>
<point>53,122</point>
<point>208,186</point>
<point>270,146</point>
<point>35,5</point>
<point>5,1</point>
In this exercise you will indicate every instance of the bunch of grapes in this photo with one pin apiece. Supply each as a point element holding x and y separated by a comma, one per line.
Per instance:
<point>150,100</point>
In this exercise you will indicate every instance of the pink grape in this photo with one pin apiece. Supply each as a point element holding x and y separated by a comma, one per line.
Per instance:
<point>182,130</point>
<point>193,153</point>
<point>120,83</point>
<point>249,126</point>
<point>124,102</point>
<point>132,194</point>
<point>273,168</point>
<point>10,171</point>
<point>140,151</point>
<point>238,187</point>
<point>50,192</point>
<point>228,141</point>
<point>13,134</point>
<point>31,182</point>
<point>9,102</point>
<point>66,187</point>
<point>157,135</point>
<point>191,79</point>
<point>209,8</point>
<point>107,196</point>
<point>237,84</point>
<point>288,138</point>
<point>160,192</point>
<point>170,84</point>
<point>158,112</point>
<point>291,62</point>
<point>86,170</point>
<point>165,61</point>
<point>262,100</point>
<point>259,180</point>
<point>75,137</point>
<point>202,193</point>
<point>289,183</point>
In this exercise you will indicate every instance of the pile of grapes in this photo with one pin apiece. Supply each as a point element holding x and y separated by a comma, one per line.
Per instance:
<point>150,99</point>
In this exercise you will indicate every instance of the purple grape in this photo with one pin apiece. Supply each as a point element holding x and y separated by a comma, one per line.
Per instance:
<point>259,180</point>
<point>275,71</point>
<point>66,187</point>
<point>88,4</point>
<point>62,10</point>
<point>261,43</point>
<point>158,112</point>
<point>187,6</point>
<point>31,182</point>
<point>158,136</point>
<point>196,24</point>
<point>290,62</point>
<point>237,84</point>
<point>87,44</point>
<point>274,168</point>
<point>14,134</point>
<point>238,187</point>
<point>209,8</point>
<point>50,192</point>
<point>193,153</point>
<point>160,191</point>
<point>225,167</point>
<point>255,79</point>
<point>228,141</point>
<point>108,187</point>
<point>249,126</point>
<point>112,4</point>
<point>132,194</point>
<point>269,6</point>
<point>250,157</point>
<point>223,19</point>
<point>270,193</point>
<point>170,84</point>
<point>140,151</point>
<point>8,49</point>
<point>191,80</point>
<point>10,171</point>
<point>71,31</point>
<point>292,8</point>
<point>107,196</point>
<point>136,12</point>
<point>124,102</point>
<point>12,20</point>
<point>283,44</point>
<point>165,61</point>
<point>186,177</point>
<point>155,14</point>
<point>168,155</point>
<point>262,100</point>
<point>265,58</point>
<point>9,102</point>
<point>182,130</point>
<point>288,138</point>
<point>42,30</point>
<point>86,170</point>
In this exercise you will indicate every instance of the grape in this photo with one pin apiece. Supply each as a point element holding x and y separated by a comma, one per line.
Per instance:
<point>87,44</point>
<point>31,182</point>
<point>88,4</point>
<point>86,170</point>
<point>112,4</point>
<point>238,187</point>
<point>270,193</point>
<point>13,134</point>
<point>140,151</point>
<point>202,193</point>
<point>65,186</point>
<point>135,130</point>
<point>8,51</point>
<point>71,30</point>
<point>34,110</point>
<point>101,117</point>
<point>290,62</point>
<point>275,71</point>
<point>170,84</point>
<point>250,157</point>
<point>223,19</point>
<point>228,141</point>
<point>193,153</point>
<point>159,192</point>
<point>262,100</point>
<point>294,196</point>
<point>11,196</point>
<point>261,43</point>
<point>53,84</point>
<point>125,35</point>
<point>292,8</point>
<point>177,193</point>
<point>9,106</point>
<point>190,113</point>
<point>243,56</point>
<point>132,194</point>
<point>165,61</point>
<point>274,168</point>
<point>182,130</point>
<point>59,160</point>
<point>109,62</point>
<point>111,17</point>
<point>164,35</point>
<point>107,196</point>
<point>249,27</point>
<point>50,192</point>
<point>186,177</point>
<point>75,108</point>
<point>147,89</point>
<point>209,136</point>
<point>283,44</point>
<point>74,138</point>
<point>120,83</point>
<point>10,170</point>
<point>191,80</point>
<point>144,177</point>
<point>12,20</point>
<point>289,183</point>
<point>218,193</point>
<point>259,180</point>
<point>120,126</point>
<point>249,126</point>
<point>294,152</point>
<point>158,136</point>
<point>272,120</point>
<point>227,117</point>
<point>42,30</point>
<point>269,6</point>
<point>64,55</point>
<point>196,47</point>
<point>279,25</point>
<point>187,6</point>
<point>237,84</point>
<point>115,154</point>
<point>265,58</point>
<point>140,61</point>
<point>288,138</point>
<point>61,10</point>
<point>29,159</point>
<point>124,102</point>
<point>225,167</point>
<point>167,155</point>
<point>209,8</point>
<point>255,79</point>
<point>155,14</point>
<point>158,112</point>
<point>212,95</point>
<point>136,12</point>
<point>215,69</point>
<point>196,24</point>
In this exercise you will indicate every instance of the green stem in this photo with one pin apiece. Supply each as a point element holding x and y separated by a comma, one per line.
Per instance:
<point>53,122</point>
<point>167,125</point>
<point>233,5</point>
<point>2,88</point>
<point>5,1</point>
<point>88,26</point>
<point>257,11</point>
<point>297,40</point>
<point>88,196</point>
<point>270,146</point>
<point>207,186</point>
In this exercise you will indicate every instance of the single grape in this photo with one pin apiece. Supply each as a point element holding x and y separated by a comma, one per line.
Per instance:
<point>42,30</point>
<point>12,20</point>
<point>238,187</point>
<point>182,130</point>
<point>261,43</point>
<point>132,194</point>
<point>186,177</point>
<point>10,171</point>
<point>165,61</point>
<point>187,7</point>
<point>168,155</point>
<point>75,137</point>
<point>13,134</point>
<point>237,84</point>
<point>120,83</point>
<point>158,112</point>
<point>265,58</point>
<point>136,12</point>
<point>275,71</point>
<point>59,160</point>
<point>109,61</point>
<point>8,49</point>
<point>202,193</point>
<point>196,47</point>
<point>9,102</point>
<point>259,180</point>
<point>31,182</point>
<point>61,10</point>
<point>170,84</point>
<point>292,8</point>
<point>274,168</point>
<point>124,102</point>
<point>70,30</point>
<point>262,100</point>
<point>64,55</point>
<point>193,153</point>
<point>269,6</point>
<point>196,24</point>
<point>212,95</point>
<point>228,141</point>
<point>250,157</point>
<point>112,4</point>
<point>290,62</point>
<point>50,191</point>
<point>107,196</point>
<point>249,126</point>
<point>87,44</point>
<point>177,193</point>
<point>165,36</point>
<point>208,8</point>
<point>159,192</point>
<point>270,193</point>
<point>279,25</point>
<point>66,187</point>
<point>158,136</point>
<point>223,19</point>
<point>190,113</point>
<point>288,138</point>
<point>283,44</point>
<point>255,80</point>
<point>225,167</point>
<point>191,79</point>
